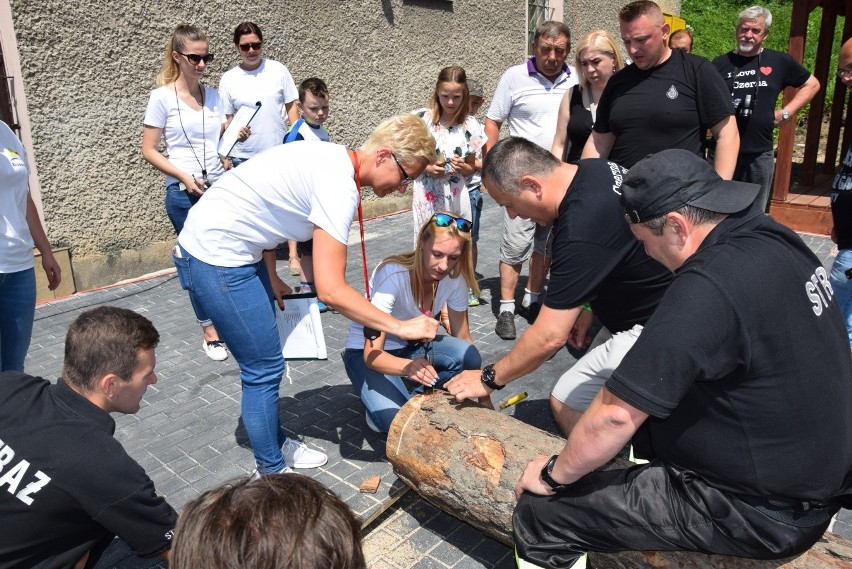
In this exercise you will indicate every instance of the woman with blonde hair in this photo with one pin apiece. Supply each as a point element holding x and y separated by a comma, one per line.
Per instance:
<point>188,117</point>
<point>386,370</point>
<point>226,258</point>
<point>459,139</point>
<point>597,59</point>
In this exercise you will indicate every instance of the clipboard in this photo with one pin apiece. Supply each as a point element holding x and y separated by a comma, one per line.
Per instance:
<point>300,328</point>
<point>242,118</point>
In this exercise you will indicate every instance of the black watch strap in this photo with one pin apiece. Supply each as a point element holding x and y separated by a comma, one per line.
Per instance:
<point>489,378</point>
<point>547,475</point>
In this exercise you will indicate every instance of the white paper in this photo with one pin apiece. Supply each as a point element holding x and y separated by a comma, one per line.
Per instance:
<point>241,118</point>
<point>300,328</point>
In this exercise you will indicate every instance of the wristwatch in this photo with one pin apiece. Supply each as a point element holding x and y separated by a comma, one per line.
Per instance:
<point>784,114</point>
<point>488,377</point>
<point>547,475</point>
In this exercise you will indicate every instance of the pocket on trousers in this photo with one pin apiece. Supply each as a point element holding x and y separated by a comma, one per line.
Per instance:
<point>182,266</point>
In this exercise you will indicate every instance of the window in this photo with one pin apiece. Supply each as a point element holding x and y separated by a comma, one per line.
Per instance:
<point>538,11</point>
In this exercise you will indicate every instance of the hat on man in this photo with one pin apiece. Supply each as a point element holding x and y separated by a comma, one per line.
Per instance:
<point>673,178</point>
<point>474,88</point>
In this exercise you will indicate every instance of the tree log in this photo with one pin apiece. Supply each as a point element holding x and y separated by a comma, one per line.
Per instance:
<point>465,459</point>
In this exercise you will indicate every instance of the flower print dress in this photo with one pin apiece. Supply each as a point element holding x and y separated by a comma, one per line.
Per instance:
<point>448,192</point>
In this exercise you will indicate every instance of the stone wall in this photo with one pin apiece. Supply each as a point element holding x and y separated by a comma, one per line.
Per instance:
<point>88,67</point>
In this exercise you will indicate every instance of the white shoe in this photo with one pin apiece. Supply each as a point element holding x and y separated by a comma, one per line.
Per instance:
<point>298,455</point>
<point>215,350</point>
<point>256,475</point>
<point>370,422</point>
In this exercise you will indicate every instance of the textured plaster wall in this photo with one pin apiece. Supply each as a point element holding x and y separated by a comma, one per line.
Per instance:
<point>89,66</point>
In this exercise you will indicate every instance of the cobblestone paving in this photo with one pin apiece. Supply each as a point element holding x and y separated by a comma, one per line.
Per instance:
<point>188,435</point>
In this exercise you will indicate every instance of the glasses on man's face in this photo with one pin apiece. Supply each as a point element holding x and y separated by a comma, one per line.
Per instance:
<point>445,220</point>
<point>406,179</point>
<point>255,45</point>
<point>844,74</point>
<point>195,59</point>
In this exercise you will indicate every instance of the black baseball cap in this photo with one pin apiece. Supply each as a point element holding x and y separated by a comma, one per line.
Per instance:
<point>669,179</point>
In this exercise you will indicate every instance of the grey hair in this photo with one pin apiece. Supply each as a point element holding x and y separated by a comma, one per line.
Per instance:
<point>552,29</point>
<point>513,158</point>
<point>696,215</point>
<point>754,13</point>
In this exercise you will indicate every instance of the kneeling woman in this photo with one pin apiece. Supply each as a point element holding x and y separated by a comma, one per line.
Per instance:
<point>387,370</point>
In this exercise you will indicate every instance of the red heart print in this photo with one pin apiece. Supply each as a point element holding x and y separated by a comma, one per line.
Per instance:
<point>766,70</point>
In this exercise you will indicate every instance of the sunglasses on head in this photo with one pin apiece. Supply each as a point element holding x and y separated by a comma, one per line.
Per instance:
<point>445,220</point>
<point>195,59</point>
<point>255,45</point>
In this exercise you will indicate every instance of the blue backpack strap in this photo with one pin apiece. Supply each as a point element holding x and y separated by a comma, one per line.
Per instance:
<point>293,133</point>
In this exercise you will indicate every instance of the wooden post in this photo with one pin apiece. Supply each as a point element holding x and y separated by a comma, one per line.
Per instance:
<point>466,459</point>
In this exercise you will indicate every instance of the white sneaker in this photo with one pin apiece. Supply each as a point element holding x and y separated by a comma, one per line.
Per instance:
<point>298,455</point>
<point>256,474</point>
<point>215,350</point>
<point>370,422</point>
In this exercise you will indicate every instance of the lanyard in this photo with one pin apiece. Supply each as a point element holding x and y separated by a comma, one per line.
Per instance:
<point>369,333</point>
<point>356,162</point>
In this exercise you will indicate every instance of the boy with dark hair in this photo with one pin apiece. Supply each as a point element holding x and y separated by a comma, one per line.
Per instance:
<point>313,111</point>
<point>70,486</point>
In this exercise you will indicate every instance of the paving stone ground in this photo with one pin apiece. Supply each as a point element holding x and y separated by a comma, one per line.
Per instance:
<point>188,435</point>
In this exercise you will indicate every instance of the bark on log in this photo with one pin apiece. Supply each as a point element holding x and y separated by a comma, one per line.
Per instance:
<point>466,459</point>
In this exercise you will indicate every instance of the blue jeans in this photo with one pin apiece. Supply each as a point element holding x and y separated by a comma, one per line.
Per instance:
<point>842,286</point>
<point>240,304</point>
<point>17,299</point>
<point>178,202</point>
<point>383,395</point>
<point>475,212</point>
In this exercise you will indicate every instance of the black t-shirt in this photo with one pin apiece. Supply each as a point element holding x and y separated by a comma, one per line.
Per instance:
<point>66,483</point>
<point>745,367</point>
<point>579,126</point>
<point>671,105</point>
<point>596,259</point>
<point>841,202</point>
<point>763,77</point>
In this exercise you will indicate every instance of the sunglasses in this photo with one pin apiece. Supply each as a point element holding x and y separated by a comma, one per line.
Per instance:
<point>195,59</point>
<point>405,177</point>
<point>445,220</point>
<point>255,45</point>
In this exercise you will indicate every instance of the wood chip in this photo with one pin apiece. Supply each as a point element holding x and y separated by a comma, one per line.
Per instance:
<point>370,485</point>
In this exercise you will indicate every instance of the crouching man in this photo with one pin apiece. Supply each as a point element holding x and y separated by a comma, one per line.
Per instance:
<point>67,487</point>
<point>737,390</point>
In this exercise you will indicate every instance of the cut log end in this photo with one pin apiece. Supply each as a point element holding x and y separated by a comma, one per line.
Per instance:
<point>465,459</point>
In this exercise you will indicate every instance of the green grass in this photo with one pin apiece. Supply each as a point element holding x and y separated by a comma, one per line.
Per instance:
<point>714,24</point>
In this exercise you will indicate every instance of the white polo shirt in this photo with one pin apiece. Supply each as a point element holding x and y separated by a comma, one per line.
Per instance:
<point>529,101</point>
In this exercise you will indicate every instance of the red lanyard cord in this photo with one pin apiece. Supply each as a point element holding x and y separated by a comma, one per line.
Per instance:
<point>369,333</point>
<point>357,163</point>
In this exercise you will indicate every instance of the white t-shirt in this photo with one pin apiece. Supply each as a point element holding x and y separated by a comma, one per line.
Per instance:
<point>280,194</point>
<point>188,145</point>
<point>272,85</point>
<point>530,102</point>
<point>391,293</point>
<point>16,249</point>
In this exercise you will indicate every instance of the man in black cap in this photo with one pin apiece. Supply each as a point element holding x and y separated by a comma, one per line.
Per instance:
<point>737,390</point>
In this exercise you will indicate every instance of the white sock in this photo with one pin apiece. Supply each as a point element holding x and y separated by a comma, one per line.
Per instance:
<point>305,287</point>
<point>507,306</point>
<point>529,297</point>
